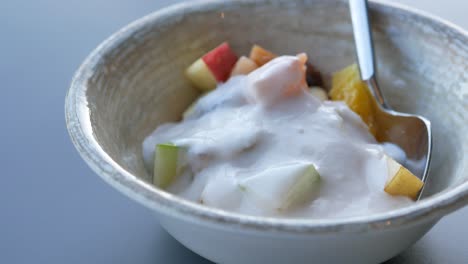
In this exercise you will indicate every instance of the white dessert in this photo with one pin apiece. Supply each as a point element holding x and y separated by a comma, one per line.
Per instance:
<point>248,144</point>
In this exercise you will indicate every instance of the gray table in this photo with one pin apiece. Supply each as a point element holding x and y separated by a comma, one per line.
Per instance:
<point>53,209</point>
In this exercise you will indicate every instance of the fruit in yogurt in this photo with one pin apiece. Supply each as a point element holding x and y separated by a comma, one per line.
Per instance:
<point>214,67</point>
<point>347,86</point>
<point>261,144</point>
<point>260,55</point>
<point>243,66</point>
<point>284,187</point>
<point>304,188</point>
<point>401,181</point>
<point>263,92</point>
<point>168,163</point>
<point>200,76</point>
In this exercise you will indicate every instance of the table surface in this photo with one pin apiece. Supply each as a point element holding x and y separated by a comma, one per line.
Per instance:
<point>53,208</point>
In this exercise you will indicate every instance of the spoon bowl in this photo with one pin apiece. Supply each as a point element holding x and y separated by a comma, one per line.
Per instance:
<point>412,133</point>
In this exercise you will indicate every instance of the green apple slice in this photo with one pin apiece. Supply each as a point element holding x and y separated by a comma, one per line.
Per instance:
<point>302,190</point>
<point>282,188</point>
<point>169,159</point>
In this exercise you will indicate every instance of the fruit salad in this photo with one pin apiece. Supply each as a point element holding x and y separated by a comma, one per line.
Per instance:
<point>267,138</point>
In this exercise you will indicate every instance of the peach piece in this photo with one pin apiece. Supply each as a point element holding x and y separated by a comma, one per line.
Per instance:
<point>260,55</point>
<point>243,66</point>
<point>279,78</point>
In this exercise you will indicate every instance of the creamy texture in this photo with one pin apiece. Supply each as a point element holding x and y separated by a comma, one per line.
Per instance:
<point>253,129</point>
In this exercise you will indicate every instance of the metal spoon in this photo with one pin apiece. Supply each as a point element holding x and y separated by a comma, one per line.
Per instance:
<point>411,132</point>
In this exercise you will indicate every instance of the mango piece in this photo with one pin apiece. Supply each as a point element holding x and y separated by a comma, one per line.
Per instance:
<point>260,55</point>
<point>347,86</point>
<point>402,181</point>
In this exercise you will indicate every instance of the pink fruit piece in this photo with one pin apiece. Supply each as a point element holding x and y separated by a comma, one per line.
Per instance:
<point>220,61</point>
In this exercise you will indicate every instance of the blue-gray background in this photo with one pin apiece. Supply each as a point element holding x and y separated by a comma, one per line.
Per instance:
<point>53,209</point>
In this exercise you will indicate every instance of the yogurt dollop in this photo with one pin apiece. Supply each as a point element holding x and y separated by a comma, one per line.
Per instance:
<point>254,128</point>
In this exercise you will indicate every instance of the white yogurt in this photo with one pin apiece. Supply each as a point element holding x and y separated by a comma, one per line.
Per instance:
<point>248,126</point>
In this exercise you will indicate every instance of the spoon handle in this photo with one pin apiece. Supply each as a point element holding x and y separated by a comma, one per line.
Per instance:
<point>365,47</point>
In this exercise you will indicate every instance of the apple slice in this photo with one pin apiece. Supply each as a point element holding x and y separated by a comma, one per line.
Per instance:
<point>282,188</point>
<point>401,180</point>
<point>169,160</point>
<point>215,66</point>
<point>220,61</point>
<point>305,186</point>
<point>200,76</point>
<point>244,66</point>
<point>260,55</point>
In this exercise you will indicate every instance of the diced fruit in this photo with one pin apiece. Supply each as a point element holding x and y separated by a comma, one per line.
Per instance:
<point>260,55</point>
<point>284,187</point>
<point>302,57</point>
<point>220,61</point>
<point>313,77</point>
<point>200,76</point>
<point>285,78</point>
<point>401,180</point>
<point>303,188</point>
<point>215,66</point>
<point>243,66</point>
<point>319,93</point>
<point>168,162</point>
<point>347,86</point>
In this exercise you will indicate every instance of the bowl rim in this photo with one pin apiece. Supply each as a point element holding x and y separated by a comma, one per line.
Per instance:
<point>80,130</point>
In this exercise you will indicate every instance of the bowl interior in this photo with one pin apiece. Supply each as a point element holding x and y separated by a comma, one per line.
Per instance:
<point>138,82</point>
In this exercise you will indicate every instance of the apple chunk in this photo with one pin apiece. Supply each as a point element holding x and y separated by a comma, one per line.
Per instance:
<point>168,163</point>
<point>303,188</point>
<point>401,180</point>
<point>200,76</point>
<point>213,67</point>
<point>282,188</point>
<point>220,61</point>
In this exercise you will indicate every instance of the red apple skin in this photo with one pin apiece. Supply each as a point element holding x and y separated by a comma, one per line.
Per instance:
<point>220,61</point>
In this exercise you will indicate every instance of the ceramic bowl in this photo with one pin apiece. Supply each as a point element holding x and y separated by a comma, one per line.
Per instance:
<point>134,81</point>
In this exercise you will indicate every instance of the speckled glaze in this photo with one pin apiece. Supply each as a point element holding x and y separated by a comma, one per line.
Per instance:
<point>134,81</point>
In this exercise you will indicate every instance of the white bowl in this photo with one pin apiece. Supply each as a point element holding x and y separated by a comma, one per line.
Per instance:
<point>134,81</point>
